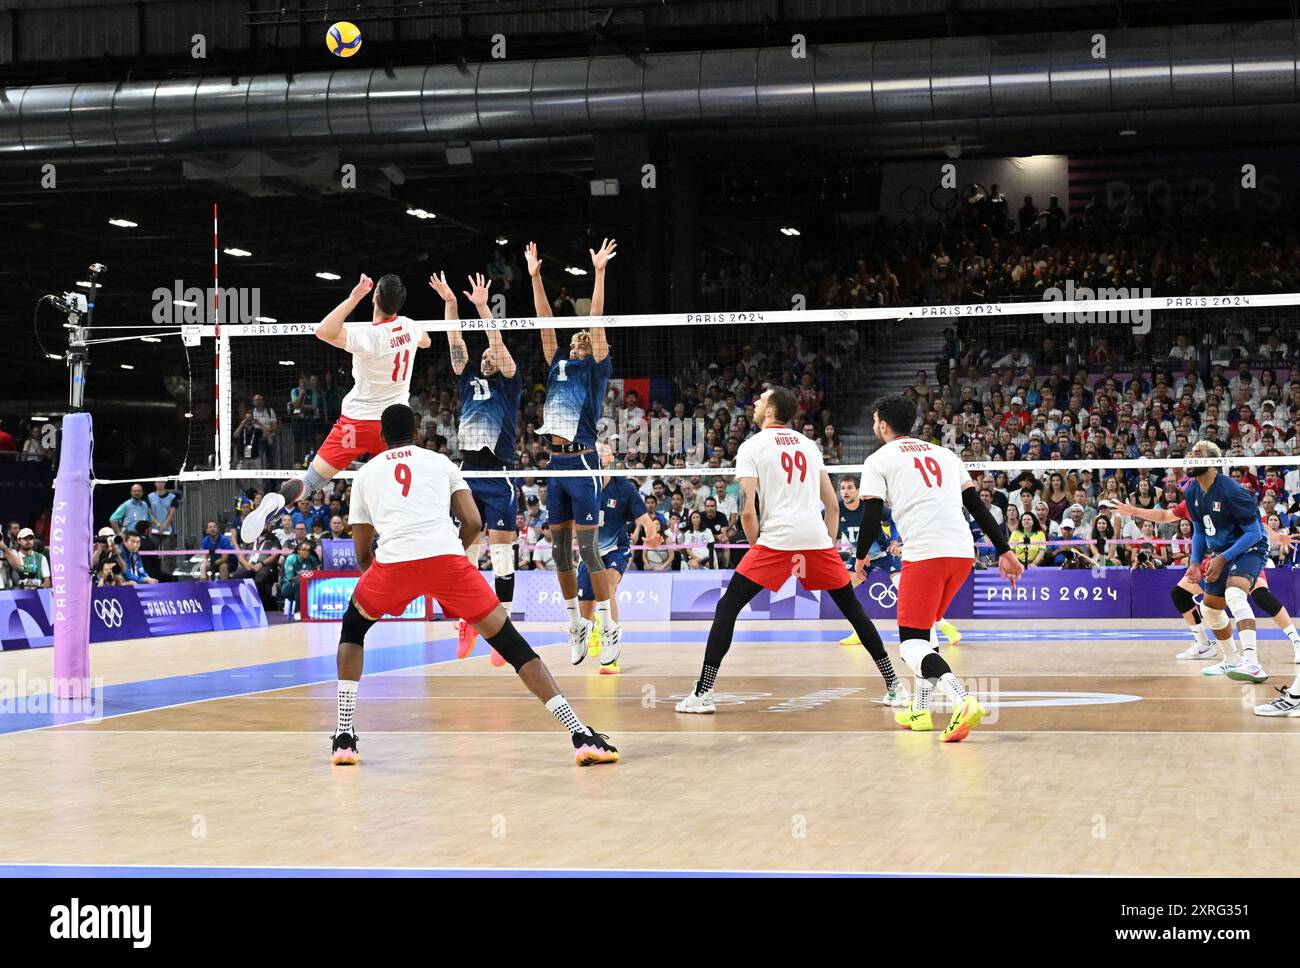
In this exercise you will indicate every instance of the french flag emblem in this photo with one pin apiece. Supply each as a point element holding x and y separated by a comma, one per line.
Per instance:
<point>1217,506</point>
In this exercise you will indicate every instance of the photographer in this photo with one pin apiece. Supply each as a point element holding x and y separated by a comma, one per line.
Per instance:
<point>106,569</point>
<point>1073,556</point>
<point>30,568</point>
<point>257,564</point>
<point>1147,557</point>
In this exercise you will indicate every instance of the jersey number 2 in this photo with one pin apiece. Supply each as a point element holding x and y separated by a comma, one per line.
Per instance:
<point>403,474</point>
<point>932,466</point>
<point>402,361</point>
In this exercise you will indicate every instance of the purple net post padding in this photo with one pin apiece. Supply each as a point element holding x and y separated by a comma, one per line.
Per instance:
<point>70,548</point>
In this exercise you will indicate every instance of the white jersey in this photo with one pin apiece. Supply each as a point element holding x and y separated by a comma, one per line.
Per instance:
<point>789,468</point>
<point>405,493</point>
<point>382,358</point>
<point>922,485</point>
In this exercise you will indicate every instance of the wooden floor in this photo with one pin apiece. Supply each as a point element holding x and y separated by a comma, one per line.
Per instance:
<point>1102,755</point>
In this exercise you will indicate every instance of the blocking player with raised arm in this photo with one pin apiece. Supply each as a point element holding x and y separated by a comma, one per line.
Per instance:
<point>575,390</point>
<point>794,536</point>
<point>1225,522</point>
<point>883,554</point>
<point>621,506</point>
<point>407,495</point>
<point>926,487</point>
<point>490,391</point>
<point>1182,593</point>
<point>381,376</point>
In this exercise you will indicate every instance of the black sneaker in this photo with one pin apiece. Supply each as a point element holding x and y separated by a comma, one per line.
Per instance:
<point>592,747</point>
<point>345,750</point>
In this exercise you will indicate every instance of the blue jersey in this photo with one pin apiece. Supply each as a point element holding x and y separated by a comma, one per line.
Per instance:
<point>575,390</point>
<point>620,505</point>
<point>1225,518</point>
<point>851,523</point>
<point>489,412</point>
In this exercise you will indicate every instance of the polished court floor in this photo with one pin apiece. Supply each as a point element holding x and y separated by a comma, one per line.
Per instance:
<point>1102,755</point>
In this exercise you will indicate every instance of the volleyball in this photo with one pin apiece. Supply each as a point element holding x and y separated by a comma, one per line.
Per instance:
<point>343,39</point>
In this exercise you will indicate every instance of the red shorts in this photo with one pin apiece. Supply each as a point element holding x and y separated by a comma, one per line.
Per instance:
<point>816,570</point>
<point>348,440</point>
<point>459,587</point>
<point>927,588</point>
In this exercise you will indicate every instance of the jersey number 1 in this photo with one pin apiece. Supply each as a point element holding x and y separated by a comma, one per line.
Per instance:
<point>402,361</point>
<point>403,474</point>
<point>932,466</point>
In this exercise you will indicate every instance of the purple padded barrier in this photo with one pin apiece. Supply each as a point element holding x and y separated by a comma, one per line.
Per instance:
<point>70,547</point>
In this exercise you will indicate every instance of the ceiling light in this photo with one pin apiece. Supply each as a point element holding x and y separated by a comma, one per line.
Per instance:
<point>123,223</point>
<point>241,253</point>
<point>183,302</point>
<point>126,366</point>
<point>575,271</point>
<point>267,319</point>
<point>420,213</point>
<point>328,275</point>
<point>286,362</point>
<point>150,339</point>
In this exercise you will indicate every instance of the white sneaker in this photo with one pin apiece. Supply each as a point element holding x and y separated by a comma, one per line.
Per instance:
<point>578,640</point>
<point>611,634</point>
<point>1247,672</point>
<point>1295,644</point>
<point>1200,652</point>
<point>898,698</point>
<point>1218,669</point>
<point>1284,705</point>
<point>271,503</point>
<point>697,704</point>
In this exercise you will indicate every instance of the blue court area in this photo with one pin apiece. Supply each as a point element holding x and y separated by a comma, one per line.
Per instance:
<point>136,697</point>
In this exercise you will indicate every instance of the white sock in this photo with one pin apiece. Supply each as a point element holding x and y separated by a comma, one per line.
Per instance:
<point>921,701</point>
<point>1295,688</point>
<point>575,616</point>
<point>559,708</point>
<point>1247,644</point>
<point>602,609</point>
<point>347,705</point>
<point>1229,647</point>
<point>1290,632</point>
<point>1198,633</point>
<point>952,686</point>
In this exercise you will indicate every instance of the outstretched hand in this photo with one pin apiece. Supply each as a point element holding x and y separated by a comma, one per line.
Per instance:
<point>438,283</point>
<point>478,289</point>
<point>600,259</point>
<point>363,286</point>
<point>532,259</point>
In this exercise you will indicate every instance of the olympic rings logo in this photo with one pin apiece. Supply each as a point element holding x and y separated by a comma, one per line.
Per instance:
<point>109,611</point>
<point>883,594</point>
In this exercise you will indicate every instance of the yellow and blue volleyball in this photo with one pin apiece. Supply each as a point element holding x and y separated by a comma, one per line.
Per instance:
<point>343,39</point>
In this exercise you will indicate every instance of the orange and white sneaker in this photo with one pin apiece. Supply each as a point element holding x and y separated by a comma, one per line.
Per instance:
<point>345,752</point>
<point>590,748</point>
<point>466,636</point>
<point>964,718</point>
<point>497,659</point>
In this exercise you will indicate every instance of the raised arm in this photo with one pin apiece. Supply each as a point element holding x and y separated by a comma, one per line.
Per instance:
<point>541,305</point>
<point>455,341</point>
<point>330,329</point>
<point>479,289</point>
<point>599,260</point>
<point>1155,515</point>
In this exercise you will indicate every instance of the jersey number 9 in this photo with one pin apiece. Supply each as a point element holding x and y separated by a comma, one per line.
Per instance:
<point>791,462</point>
<point>403,474</point>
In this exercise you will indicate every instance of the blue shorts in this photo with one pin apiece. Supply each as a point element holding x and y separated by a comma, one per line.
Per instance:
<point>890,564</point>
<point>1248,565</point>
<point>575,499</point>
<point>616,559</point>
<point>497,499</point>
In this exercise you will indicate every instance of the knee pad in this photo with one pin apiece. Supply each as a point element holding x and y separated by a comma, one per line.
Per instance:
<point>355,626</point>
<point>1214,618</point>
<point>589,551</point>
<point>562,550</point>
<point>933,666</point>
<point>1182,599</point>
<point>510,645</point>
<point>1266,600</point>
<point>914,652</point>
<point>503,559</point>
<point>1238,603</point>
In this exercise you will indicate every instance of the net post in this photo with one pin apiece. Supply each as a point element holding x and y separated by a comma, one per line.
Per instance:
<point>70,548</point>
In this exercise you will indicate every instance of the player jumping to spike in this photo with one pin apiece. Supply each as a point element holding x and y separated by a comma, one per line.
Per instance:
<point>782,471</point>
<point>1225,522</point>
<point>575,391</point>
<point>490,390</point>
<point>927,487</point>
<point>382,354</point>
<point>407,495</point>
<point>621,506</point>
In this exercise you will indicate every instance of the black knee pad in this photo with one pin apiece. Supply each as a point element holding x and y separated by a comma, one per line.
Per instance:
<point>1183,599</point>
<point>355,626</point>
<point>906,632</point>
<point>512,647</point>
<point>1266,600</point>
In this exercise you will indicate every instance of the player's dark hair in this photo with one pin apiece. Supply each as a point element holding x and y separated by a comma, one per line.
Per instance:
<point>397,424</point>
<point>785,403</point>
<point>896,410</point>
<point>851,477</point>
<point>390,294</point>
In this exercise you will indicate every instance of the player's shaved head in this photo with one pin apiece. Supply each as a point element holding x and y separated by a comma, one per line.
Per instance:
<point>390,294</point>
<point>397,425</point>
